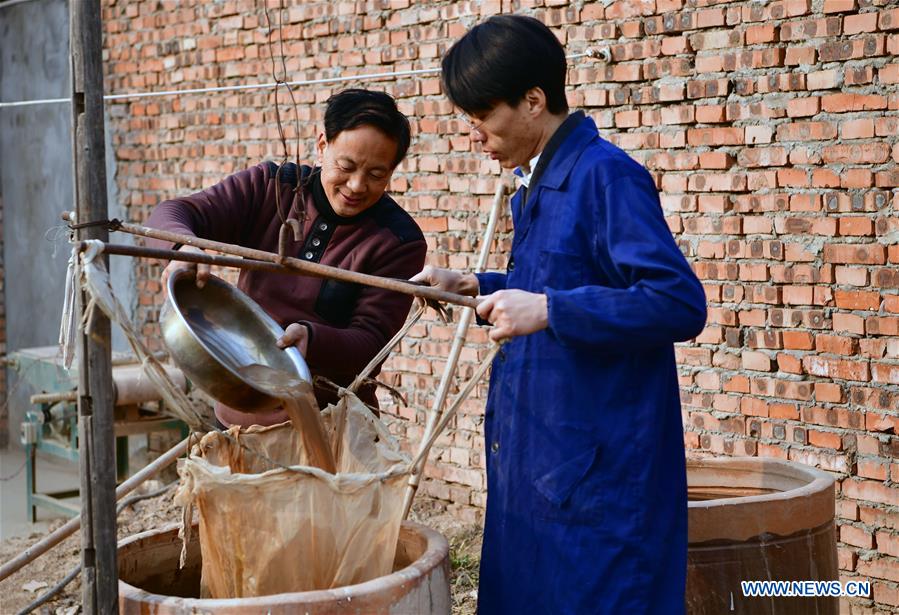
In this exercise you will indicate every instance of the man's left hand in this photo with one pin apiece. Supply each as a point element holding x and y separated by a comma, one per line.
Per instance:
<point>295,335</point>
<point>514,312</point>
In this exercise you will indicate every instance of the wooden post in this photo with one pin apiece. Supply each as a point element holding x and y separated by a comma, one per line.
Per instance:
<point>95,394</point>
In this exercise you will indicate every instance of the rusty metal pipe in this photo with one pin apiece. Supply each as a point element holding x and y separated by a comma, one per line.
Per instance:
<point>190,257</point>
<point>268,261</point>
<point>312,269</point>
<point>36,550</point>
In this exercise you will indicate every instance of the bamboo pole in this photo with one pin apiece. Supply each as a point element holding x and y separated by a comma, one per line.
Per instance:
<point>258,259</point>
<point>451,411</point>
<point>449,368</point>
<point>36,550</point>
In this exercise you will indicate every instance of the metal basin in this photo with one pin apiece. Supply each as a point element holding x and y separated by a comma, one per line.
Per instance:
<point>214,331</point>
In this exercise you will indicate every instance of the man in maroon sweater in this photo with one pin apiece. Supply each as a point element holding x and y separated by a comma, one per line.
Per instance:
<point>349,223</point>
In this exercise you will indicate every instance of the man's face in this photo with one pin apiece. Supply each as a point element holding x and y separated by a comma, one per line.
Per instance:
<point>506,134</point>
<point>356,168</point>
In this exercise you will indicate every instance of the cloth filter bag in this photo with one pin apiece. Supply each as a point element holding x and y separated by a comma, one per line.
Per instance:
<point>267,528</point>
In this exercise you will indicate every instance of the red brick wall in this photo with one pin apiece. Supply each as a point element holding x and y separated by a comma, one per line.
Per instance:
<point>771,128</point>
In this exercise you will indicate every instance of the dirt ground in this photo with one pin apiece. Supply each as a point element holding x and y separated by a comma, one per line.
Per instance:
<point>465,551</point>
<point>48,570</point>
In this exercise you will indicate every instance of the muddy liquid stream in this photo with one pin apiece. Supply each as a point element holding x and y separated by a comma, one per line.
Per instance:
<point>299,402</point>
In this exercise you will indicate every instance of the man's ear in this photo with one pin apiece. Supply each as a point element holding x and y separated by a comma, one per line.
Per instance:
<point>535,99</point>
<point>320,145</point>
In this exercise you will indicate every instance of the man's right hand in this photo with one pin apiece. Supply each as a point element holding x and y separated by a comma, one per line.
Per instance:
<point>448,280</point>
<point>200,270</point>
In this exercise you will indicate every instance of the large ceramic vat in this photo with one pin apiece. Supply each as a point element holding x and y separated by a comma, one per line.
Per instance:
<point>151,582</point>
<point>754,519</point>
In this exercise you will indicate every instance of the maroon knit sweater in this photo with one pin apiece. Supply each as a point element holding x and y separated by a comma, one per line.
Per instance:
<point>348,323</point>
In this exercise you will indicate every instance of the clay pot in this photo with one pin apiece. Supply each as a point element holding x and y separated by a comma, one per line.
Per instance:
<point>755,519</point>
<point>151,582</point>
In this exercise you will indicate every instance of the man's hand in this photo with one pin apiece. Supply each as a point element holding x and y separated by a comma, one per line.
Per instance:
<point>514,312</point>
<point>199,270</point>
<point>448,280</point>
<point>295,335</point>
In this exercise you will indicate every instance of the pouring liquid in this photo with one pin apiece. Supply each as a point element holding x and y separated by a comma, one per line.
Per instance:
<point>299,403</point>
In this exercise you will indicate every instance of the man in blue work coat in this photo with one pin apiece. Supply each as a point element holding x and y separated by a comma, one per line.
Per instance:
<point>586,481</point>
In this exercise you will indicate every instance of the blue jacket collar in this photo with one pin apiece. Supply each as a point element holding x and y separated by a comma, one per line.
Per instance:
<point>569,150</point>
<point>564,149</point>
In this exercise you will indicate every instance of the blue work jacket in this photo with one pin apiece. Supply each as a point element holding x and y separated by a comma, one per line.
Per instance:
<point>586,480</point>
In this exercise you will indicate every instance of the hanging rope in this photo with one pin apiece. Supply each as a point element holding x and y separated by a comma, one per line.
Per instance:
<point>298,200</point>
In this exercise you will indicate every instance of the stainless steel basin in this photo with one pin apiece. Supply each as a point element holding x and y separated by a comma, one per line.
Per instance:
<point>214,331</point>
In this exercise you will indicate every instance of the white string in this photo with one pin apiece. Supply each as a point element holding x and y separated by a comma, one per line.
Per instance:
<point>259,86</point>
<point>41,101</point>
<point>7,3</point>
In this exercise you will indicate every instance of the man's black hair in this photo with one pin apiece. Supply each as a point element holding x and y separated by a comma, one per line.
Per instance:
<point>352,108</point>
<point>502,58</point>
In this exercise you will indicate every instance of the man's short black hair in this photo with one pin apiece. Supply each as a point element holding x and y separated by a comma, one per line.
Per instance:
<point>502,58</point>
<point>352,108</point>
